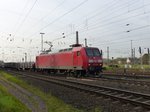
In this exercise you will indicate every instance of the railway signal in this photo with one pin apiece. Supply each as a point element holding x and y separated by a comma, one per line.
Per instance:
<point>140,50</point>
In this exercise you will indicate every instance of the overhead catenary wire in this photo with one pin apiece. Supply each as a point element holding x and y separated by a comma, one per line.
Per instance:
<point>49,13</point>
<point>94,25</point>
<point>121,38</point>
<point>69,11</point>
<point>17,23</point>
<point>116,17</point>
<point>103,11</point>
<point>118,33</point>
<point>60,17</point>
<point>104,25</point>
<point>98,12</point>
<point>123,14</point>
<point>24,19</point>
<point>109,4</point>
<point>123,32</point>
<point>110,43</point>
<point>113,22</point>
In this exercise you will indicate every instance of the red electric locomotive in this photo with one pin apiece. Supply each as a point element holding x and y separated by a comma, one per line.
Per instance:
<point>76,60</point>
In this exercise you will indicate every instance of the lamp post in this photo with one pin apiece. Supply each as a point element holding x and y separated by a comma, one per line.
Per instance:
<point>148,55</point>
<point>140,51</point>
<point>42,41</point>
<point>131,53</point>
<point>107,55</point>
<point>132,57</point>
<point>25,57</point>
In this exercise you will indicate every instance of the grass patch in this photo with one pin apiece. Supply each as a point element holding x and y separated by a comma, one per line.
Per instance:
<point>132,68</point>
<point>9,103</point>
<point>53,103</point>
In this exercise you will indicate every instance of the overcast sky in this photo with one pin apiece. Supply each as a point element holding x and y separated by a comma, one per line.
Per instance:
<point>105,23</point>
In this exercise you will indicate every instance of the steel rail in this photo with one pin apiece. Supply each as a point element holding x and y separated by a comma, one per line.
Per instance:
<point>135,76</point>
<point>135,98</point>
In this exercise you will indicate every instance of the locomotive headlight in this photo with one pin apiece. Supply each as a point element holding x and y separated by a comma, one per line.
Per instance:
<point>91,61</point>
<point>99,61</point>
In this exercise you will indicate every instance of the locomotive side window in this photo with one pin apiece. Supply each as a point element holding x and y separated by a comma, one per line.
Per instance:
<point>78,53</point>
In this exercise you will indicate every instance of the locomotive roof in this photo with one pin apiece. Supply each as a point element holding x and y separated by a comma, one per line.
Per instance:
<point>66,50</point>
<point>74,48</point>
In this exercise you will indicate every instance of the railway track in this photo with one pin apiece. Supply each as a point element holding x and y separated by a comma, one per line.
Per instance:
<point>140,83</point>
<point>128,76</point>
<point>125,81</point>
<point>134,98</point>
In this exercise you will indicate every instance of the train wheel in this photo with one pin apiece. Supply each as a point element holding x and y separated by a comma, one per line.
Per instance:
<point>83,73</point>
<point>70,73</point>
<point>78,74</point>
<point>98,74</point>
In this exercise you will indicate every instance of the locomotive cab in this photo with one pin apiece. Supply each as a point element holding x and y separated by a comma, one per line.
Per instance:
<point>94,60</point>
<point>88,59</point>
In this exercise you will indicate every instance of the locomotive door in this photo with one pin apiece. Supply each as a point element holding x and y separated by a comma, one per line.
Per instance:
<point>76,58</point>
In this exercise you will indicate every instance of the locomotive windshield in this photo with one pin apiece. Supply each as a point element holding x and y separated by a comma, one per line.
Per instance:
<point>92,52</point>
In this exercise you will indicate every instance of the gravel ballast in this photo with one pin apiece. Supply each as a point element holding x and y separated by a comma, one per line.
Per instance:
<point>82,100</point>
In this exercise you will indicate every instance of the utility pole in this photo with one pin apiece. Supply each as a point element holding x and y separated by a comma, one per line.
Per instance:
<point>134,56</point>
<point>107,55</point>
<point>148,55</point>
<point>25,57</point>
<point>131,52</point>
<point>140,51</point>
<point>42,41</point>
